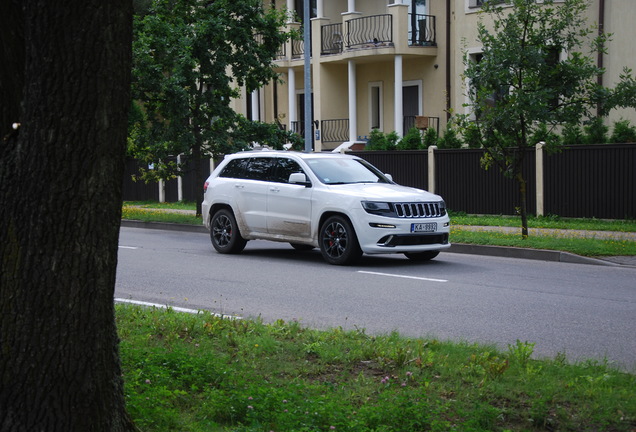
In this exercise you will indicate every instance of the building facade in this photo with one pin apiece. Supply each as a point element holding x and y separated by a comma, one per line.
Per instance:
<point>392,65</point>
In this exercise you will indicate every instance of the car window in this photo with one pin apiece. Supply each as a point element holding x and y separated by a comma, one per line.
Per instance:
<point>284,168</point>
<point>234,169</point>
<point>259,168</point>
<point>343,171</point>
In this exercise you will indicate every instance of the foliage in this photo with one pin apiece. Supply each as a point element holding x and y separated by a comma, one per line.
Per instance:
<point>623,132</point>
<point>430,137</point>
<point>524,81</point>
<point>595,132</point>
<point>542,134</point>
<point>378,140</point>
<point>472,136</point>
<point>411,141</point>
<point>450,140</point>
<point>572,134</point>
<point>195,372</point>
<point>191,58</point>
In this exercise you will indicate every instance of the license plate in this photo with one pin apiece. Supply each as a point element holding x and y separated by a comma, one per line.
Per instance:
<point>424,227</point>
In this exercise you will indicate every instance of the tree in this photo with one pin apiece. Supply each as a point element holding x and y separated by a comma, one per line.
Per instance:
<point>190,59</point>
<point>68,65</point>
<point>534,70</point>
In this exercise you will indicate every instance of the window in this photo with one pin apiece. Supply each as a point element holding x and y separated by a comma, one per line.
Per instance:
<point>258,168</point>
<point>234,169</point>
<point>375,105</point>
<point>285,168</point>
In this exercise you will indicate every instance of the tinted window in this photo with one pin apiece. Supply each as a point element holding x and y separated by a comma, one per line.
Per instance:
<point>284,168</point>
<point>234,169</point>
<point>258,168</point>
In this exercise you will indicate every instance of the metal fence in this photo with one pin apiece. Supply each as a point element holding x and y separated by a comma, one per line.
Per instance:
<point>580,181</point>
<point>370,30</point>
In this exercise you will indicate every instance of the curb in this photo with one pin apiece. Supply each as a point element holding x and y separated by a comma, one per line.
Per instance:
<point>461,248</point>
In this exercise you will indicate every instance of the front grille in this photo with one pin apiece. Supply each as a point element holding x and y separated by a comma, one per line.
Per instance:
<point>419,210</point>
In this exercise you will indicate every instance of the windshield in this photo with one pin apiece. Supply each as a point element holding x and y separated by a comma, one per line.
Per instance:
<point>345,171</point>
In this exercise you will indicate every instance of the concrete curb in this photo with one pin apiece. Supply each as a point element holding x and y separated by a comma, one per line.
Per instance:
<point>495,251</point>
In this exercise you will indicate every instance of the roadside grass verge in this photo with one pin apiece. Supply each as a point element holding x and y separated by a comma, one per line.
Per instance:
<point>547,222</point>
<point>186,372</point>
<point>160,212</point>
<point>590,247</point>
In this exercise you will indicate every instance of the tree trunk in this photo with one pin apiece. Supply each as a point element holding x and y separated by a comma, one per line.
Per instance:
<point>59,219</point>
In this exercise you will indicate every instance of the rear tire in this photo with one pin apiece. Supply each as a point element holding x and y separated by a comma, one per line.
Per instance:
<point>422,256</point>
<point>224,233</point>
<point>338,241</point>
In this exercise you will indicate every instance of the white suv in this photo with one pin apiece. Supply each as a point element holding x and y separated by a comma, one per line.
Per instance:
<point>336,202</point>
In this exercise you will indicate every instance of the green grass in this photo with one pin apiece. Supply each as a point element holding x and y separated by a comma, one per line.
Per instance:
<point>548,222</point>
<point>160,212</point>
<point>200,373</point>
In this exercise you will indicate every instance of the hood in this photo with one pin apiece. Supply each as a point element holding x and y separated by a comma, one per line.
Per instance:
<point>384,192</point>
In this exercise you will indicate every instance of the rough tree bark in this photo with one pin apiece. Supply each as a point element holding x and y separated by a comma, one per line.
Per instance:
<point>60,208</point>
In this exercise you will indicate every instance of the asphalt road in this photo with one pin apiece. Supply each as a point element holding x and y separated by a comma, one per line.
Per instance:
<point>584,311</point>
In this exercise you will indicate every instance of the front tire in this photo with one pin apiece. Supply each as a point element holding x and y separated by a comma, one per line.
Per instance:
<point>421,256</point>
<point>338,241</point>
<point>224,233</point>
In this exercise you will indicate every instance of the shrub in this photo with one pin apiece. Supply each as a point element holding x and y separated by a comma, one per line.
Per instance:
<point>572,135</point>
<point>472,136</point>
<point>623,132</point>
<point>377,140</point>
<point>411,141</point>
<point>596,131</point>
<point>450,140</point>
<point>430,137</point>
<point>543,134</point>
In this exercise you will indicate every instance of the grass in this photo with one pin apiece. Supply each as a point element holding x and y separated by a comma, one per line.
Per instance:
<point>186,372</point>
<point>591,247</point>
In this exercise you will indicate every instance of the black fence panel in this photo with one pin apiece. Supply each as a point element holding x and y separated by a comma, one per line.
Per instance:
<point>408,168</point>
<point>467,187</point>
<point>137,190</point>
<point>591,181</point>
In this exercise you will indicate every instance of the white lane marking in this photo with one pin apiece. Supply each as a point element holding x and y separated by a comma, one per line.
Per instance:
<point>174,308</point>
<point>128,247</point>
<point>403,276</point>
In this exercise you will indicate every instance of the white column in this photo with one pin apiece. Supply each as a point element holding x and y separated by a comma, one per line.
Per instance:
<point>320,9</point>
<point>290,11</point>
<point>399,116</point>
<point>291,97</point>
<point>353,111</point>
<point>256,113</point>
<point>351,6</point>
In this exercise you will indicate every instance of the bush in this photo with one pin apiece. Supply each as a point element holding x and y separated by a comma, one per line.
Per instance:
<point>411,141</point>
<point>543,134</point>
<point>430,137</point>
<point>472,136</point>
<point>378,140</point>
<point>623,132</point>
<point>572,135</point>
<point>450,140</point>
<point>596,131</point>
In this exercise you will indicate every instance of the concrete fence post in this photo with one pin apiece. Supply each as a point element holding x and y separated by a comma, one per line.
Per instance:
<point>431,168</point>
<point>539,178</point>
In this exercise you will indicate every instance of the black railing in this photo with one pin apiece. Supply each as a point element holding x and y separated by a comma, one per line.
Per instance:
<point>409,122</point>
<point>336,130</point>
<point>332,40</point>
<point>375,30</point>
<point>423,30</point>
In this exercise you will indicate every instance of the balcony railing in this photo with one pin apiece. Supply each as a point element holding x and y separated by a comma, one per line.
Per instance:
<point>423,30</point>
<point>332,40</point>
<point>336,130</point>
<point>409,123</point>
<point>373,30</point>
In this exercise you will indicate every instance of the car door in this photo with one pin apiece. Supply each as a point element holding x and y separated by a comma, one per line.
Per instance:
<point>288,205</point>
<point>251,195</point>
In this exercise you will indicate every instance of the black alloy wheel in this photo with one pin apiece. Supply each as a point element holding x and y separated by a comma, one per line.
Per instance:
<point>338,241</point>
<point>225,234</point>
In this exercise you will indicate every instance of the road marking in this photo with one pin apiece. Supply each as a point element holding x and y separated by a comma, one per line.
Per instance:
<point>128,247</point>
<point>174,308</point>
<point>403,276</point>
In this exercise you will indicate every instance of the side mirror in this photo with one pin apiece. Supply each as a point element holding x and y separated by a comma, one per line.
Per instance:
<point>389,176</point>
<point>299,178</point>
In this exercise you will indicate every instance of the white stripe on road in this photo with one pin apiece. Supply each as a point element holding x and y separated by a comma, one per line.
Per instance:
<point>174,308</point>
<point>128,247</point>
<point>403,276</point>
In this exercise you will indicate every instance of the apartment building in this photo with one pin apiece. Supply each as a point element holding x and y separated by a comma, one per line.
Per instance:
<point>392,65</point>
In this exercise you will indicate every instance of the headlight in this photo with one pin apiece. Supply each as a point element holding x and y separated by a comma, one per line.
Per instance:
<point>377,208</point>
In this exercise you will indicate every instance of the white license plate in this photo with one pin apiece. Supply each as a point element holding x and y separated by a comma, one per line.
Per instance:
<point>424,227</point>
